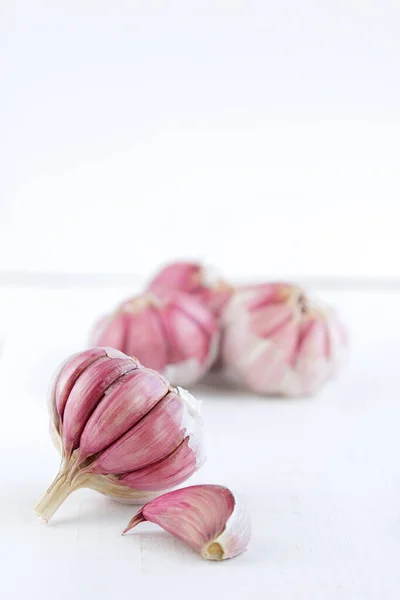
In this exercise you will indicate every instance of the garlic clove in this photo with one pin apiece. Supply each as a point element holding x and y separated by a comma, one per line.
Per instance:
<point>208,518</point>
<point>180,464</point>
<point>187,336</point>
<point>264,367</point>
<point>183,276</point>
<point>87,391</point>
<point>153,438</point>
<point>287,339</point>
<point>70,372</point>
<point>313,364</point>
<point>194,311</point>
<point>166,473</point>
<point>315,342</point>
<point>197,280</point>
<point>121,408</point>
<point>256,297</point>
<point>109,331</point>
<point>270,319</point>
<point>145,335</point>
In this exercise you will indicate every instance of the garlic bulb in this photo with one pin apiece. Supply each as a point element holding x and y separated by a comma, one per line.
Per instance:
<point>208,518</point>
<point>194,279</point>
<point>176,336</point>
<point>276,340</point>
<point>122,430</point>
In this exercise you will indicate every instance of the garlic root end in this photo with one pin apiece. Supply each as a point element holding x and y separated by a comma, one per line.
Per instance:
<point>59,491</point>
<point>213,551</point>
<point>65,482</point>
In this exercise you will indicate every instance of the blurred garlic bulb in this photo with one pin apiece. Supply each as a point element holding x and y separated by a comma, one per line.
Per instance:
<point>277,341</point>
<point>194,279</point>
<point>121,428</point>
<point>175,335</point>
<point>208,518</point>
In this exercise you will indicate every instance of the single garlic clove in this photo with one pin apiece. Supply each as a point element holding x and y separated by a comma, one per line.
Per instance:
<point>69,373</point>
<point>208,518</point>
<point>180,464</point>
<point>167,473</point>
<point>278,341</point>
<point>314,365</point>
<point>65,378</point>
<point>182,276</point>
<point>153,438</point>
<point>122,430</point>
<point>177,335</point>
<point>122,407</point>
<point>144,333</point>
<point>200,281</point>
<point>89,388</point>
<point>112,338</point>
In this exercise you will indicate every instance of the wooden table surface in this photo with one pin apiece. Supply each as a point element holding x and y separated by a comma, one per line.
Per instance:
<point>321,476</point>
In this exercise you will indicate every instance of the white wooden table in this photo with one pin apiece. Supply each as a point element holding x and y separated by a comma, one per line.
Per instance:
<point>321,476</point>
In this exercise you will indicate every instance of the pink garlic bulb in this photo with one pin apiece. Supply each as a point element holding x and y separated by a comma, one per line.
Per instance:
<point>277,341</point>
<point>208,518</point>
<point>194,279</point>
<point>176,336</point>
<point>121,428</point>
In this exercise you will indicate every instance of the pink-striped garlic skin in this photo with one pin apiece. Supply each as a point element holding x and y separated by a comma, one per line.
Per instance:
<point>121,429</point>
<point>195,279</point>
<point>176,335</point>
<point>208,518</point>
<point>277,341</point>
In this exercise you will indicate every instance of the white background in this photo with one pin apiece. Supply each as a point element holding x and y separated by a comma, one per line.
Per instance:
<point>262,137</point>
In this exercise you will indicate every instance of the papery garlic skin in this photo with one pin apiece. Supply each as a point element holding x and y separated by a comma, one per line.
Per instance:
<point>121,429</point>
<point>236,535</point>
<point>177,336</point>
<point>277,341</point>
<point>208,518</point>
<point>196,279</point>
<point>192,425</point>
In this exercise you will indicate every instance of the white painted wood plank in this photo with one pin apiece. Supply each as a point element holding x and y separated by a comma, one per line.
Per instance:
<point>320,477</point>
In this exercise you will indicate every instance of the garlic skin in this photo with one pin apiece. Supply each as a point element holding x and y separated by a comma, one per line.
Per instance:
<point>277,341</point>
<point>177,336</point>
<point>208,518</point>
<point>121,428</point>
<point>192,278</point>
